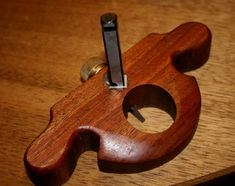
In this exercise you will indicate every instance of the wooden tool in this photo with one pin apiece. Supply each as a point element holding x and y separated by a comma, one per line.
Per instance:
<point>93,116</point>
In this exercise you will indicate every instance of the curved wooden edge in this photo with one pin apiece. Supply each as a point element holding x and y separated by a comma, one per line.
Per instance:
<point>59,173</point>
<point>119,167</point>
<point>51,158</point>
<point>198,53</point>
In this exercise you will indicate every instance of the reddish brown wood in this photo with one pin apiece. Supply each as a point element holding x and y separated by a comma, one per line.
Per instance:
<point>92,117</point>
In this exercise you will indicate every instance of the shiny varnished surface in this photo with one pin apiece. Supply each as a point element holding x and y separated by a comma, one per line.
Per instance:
<point>94,114</point>
<point>40,39</point>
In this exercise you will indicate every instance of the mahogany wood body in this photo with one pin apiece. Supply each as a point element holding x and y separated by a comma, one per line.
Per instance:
<point>93,117</point>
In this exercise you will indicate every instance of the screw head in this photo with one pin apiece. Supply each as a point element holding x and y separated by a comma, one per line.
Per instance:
<point>109,20</point>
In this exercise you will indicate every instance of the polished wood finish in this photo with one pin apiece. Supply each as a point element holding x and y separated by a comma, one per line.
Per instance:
<point>92,117</point>
<point>42,47</point>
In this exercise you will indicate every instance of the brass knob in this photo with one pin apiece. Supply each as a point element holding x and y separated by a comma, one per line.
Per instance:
<point>91,67</point>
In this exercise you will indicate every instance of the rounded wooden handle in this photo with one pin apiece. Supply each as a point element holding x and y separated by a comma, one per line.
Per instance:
<point>92,117</point>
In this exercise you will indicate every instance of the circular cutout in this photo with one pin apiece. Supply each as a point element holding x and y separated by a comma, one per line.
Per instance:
<point>151,103</point>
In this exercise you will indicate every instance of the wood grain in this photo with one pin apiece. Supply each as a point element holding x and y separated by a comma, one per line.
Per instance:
<point>42,47</point>
<point>92,117</point>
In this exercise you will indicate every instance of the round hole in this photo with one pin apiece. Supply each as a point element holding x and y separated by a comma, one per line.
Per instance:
<point>154,103</point>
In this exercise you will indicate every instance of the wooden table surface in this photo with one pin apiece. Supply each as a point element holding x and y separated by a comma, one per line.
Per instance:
<point>42,47</point>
